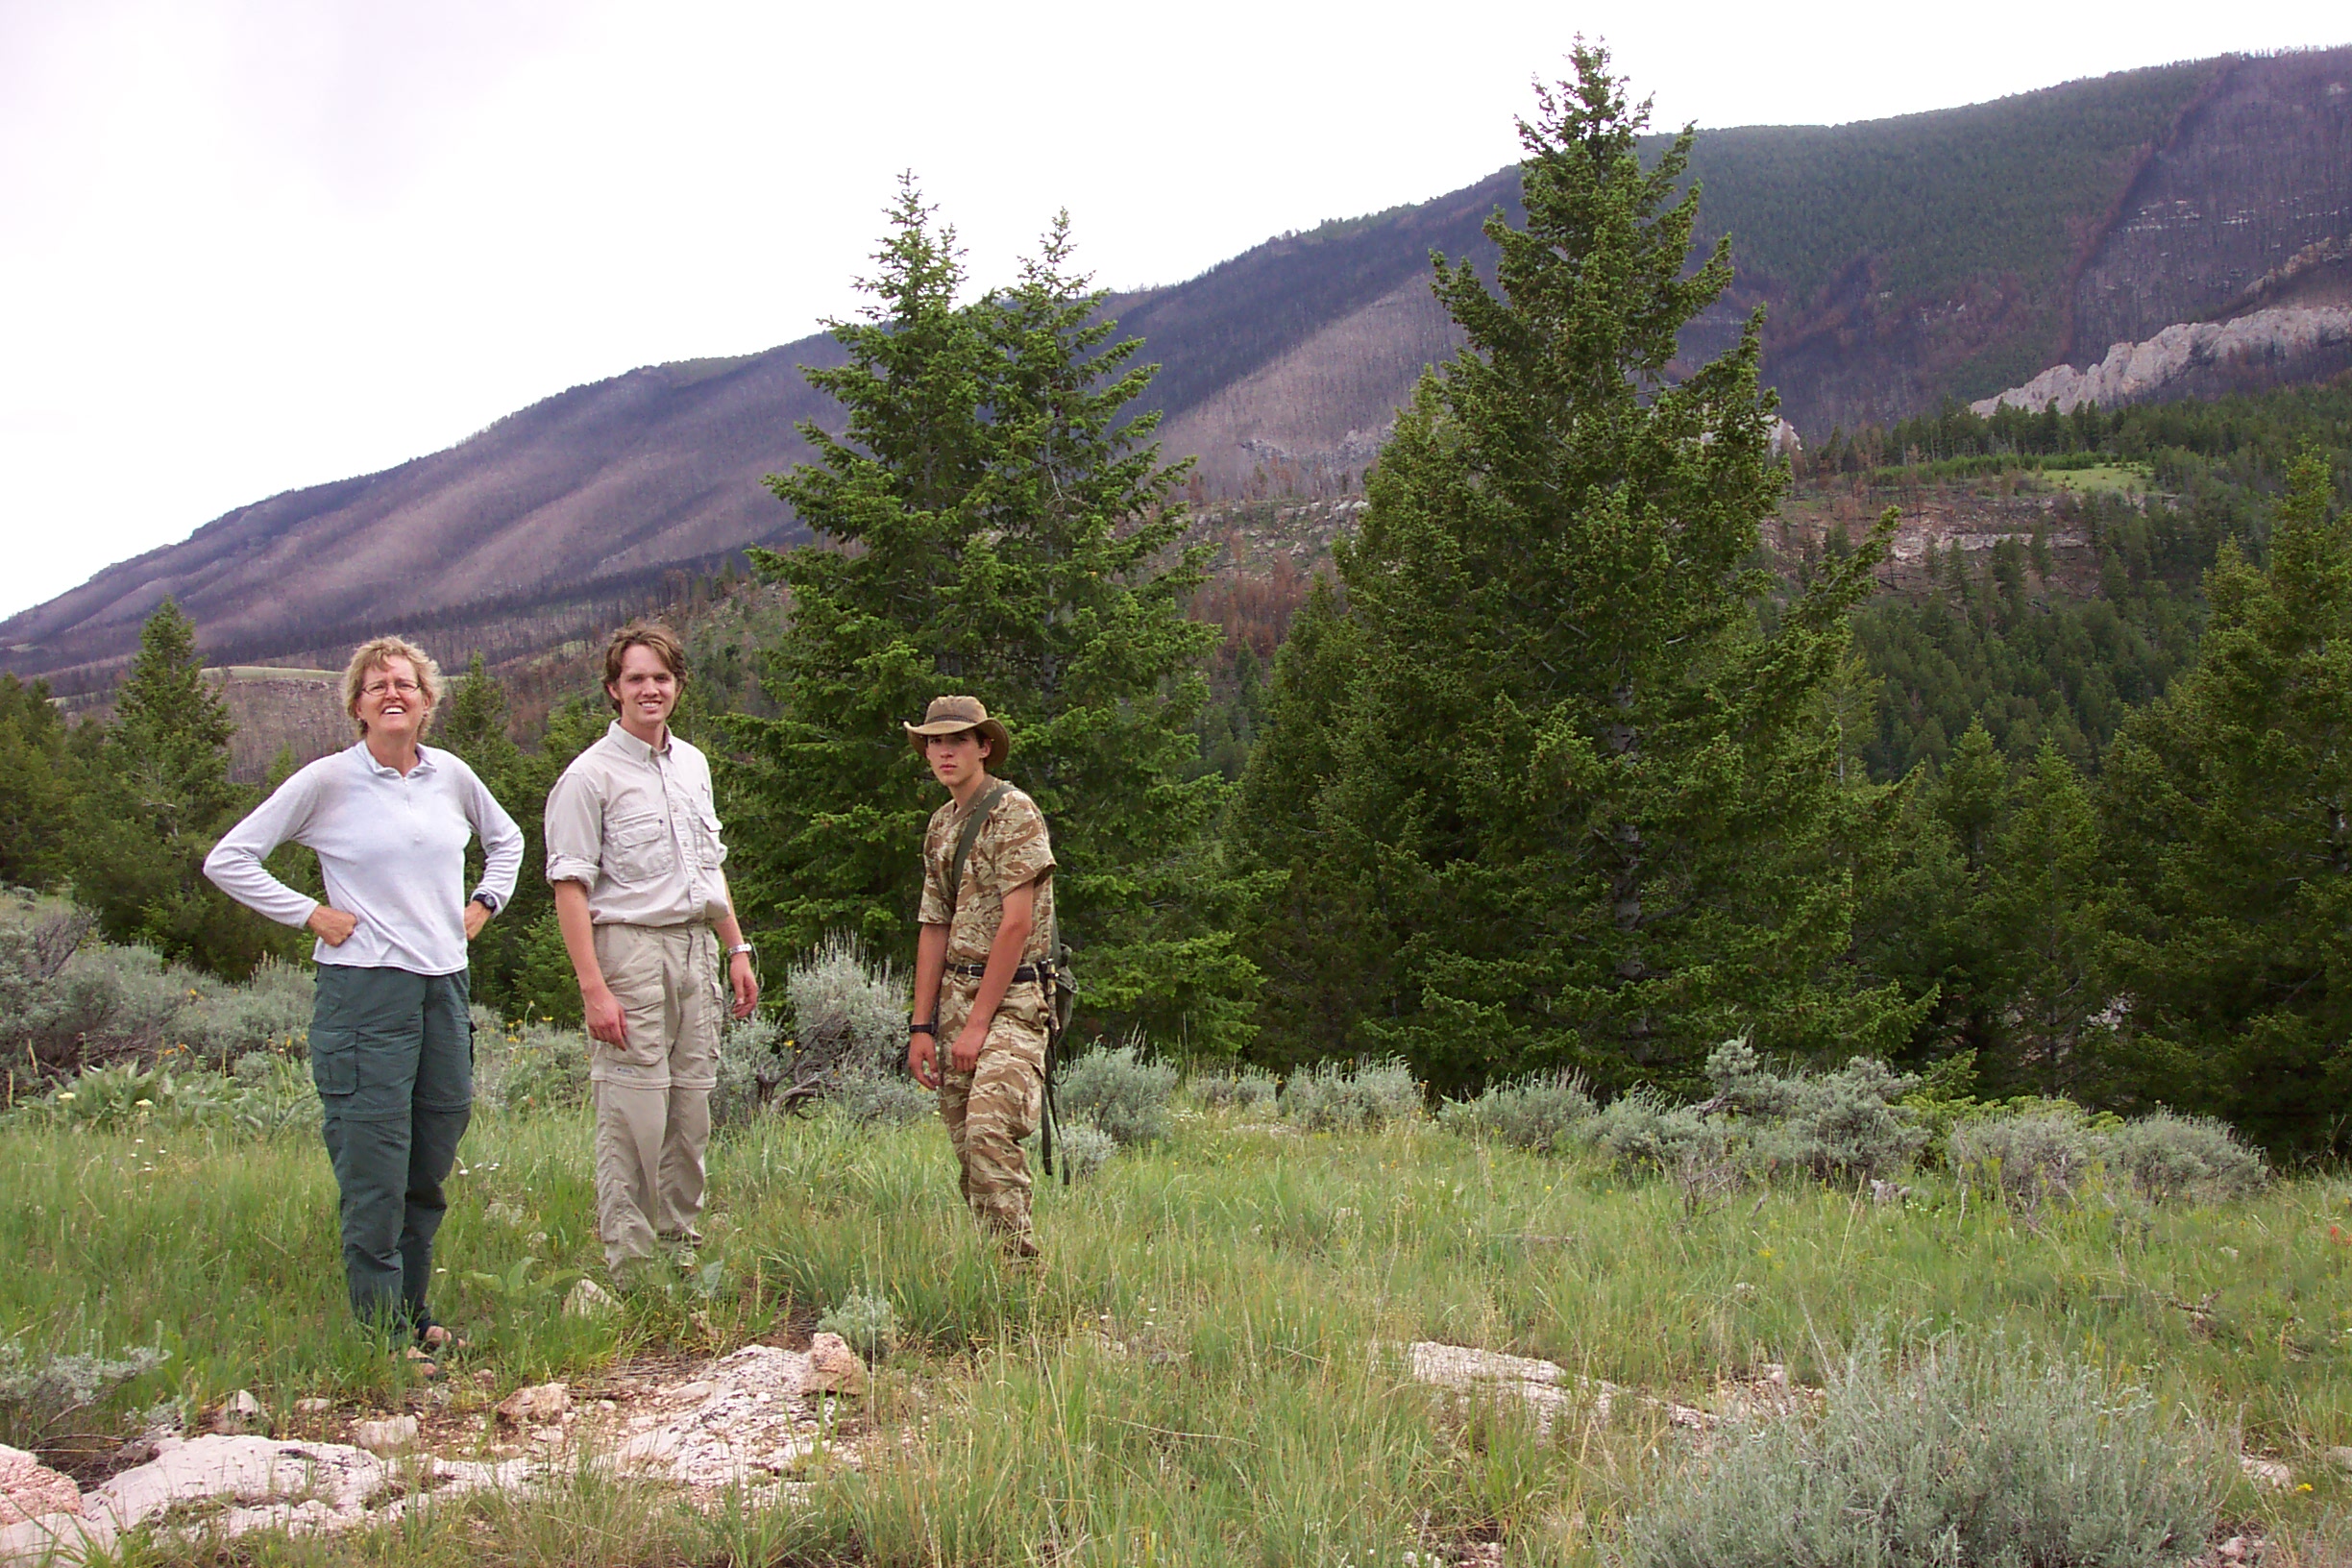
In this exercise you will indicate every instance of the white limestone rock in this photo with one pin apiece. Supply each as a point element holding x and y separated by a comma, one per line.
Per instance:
<point>30,1488</point>
<point>2266,1475</point>
<point>539,1404</point>
<point>390,1434</point>
<point>2133,372</point>
<point>588,1299</point>
<point>240,1413</point>
<point>834,1368</point>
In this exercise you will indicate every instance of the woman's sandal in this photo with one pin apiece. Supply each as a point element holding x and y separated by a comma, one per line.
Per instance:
<point>425,1366</point>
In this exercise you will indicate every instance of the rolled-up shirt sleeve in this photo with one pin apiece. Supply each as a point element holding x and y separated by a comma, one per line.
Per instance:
<point>574,830</point>
<point>500,839</point>
<point>235,865</point>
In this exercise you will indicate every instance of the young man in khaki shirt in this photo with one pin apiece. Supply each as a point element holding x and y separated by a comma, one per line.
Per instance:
<point>633,854</point>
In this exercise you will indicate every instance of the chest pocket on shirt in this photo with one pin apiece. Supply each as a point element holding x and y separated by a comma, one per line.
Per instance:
<point>638,847</point>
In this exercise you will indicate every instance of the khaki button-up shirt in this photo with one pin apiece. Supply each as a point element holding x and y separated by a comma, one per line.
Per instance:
<point>638,826</point>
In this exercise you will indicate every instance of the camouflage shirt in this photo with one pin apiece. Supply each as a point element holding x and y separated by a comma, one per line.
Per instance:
<point>1013,848</point>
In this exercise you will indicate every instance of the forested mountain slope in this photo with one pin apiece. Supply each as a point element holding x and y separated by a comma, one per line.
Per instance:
<point>1900,263</point>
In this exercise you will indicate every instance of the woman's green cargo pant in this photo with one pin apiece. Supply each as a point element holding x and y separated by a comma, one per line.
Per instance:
<point>392,1054</point>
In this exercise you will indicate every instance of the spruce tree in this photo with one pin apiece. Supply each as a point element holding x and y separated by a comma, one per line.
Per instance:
<point>2226,809</point>
<point>2042,914</point>
<point>1319,945</point>
<point>37,789</point>
<point>158,800</point>
<point>987,524</point>
<point>172,730</point>
<point>1587,801</point>
<point>473,722</point>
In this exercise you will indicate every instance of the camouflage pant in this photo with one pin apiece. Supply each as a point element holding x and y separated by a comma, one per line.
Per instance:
<point>989,1110</point>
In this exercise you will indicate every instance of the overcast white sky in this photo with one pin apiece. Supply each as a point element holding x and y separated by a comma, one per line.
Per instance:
<point>246,247</point>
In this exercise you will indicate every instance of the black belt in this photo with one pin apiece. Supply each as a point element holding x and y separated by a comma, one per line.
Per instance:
<point>1026,974</point>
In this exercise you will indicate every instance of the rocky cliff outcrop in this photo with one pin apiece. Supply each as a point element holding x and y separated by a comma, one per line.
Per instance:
<point>2290,342</point>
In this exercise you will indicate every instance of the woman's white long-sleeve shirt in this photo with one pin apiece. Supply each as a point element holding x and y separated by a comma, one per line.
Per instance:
<point>392,848</point>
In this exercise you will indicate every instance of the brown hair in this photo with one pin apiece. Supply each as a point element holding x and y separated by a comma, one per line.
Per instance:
<point>650,634</point>
<point>377,653</point>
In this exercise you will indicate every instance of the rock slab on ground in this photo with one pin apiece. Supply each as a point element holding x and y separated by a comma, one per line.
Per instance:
<point>742,1421</point>
<point>389,1435</point>
<point>2269,1475</point>
<point>1547,1390</point>
<point>338,1487</point>
<point>752,1418</point>
<point>241,1412</point>
<point>540,1403</point>
<point>30,1488</point>
<point>834,1368</point>
<point>588,1299</point>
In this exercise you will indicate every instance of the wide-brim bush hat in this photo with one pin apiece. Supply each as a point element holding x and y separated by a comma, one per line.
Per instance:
<point>951,715</point>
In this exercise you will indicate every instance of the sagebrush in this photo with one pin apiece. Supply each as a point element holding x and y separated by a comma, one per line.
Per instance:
<point>1339,1098</point>
<point>1119,1091</point>
<point>1545,1113</point>
<point>1980,1454</point>
<point>1242,1088</point>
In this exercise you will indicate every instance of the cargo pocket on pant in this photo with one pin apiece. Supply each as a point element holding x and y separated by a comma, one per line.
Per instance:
<point>631,962</point>
<point>385,1061</point>
<point>334,1065</point>
<point>334,1060</point>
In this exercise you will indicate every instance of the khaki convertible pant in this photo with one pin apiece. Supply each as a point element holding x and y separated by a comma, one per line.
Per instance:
<point>989,1110</point>
<point>652,1096</point>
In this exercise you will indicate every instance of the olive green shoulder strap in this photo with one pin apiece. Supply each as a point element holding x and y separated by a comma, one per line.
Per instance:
<point>965,840</point>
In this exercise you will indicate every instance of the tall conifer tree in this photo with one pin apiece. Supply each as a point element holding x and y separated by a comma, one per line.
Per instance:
<point>172,730</point>
<point>37,792</point>
<point>1588,806</point>
<point>161,798</point>
<point>473,722</point>
<point>2227,814</point>
<point>987,525</point>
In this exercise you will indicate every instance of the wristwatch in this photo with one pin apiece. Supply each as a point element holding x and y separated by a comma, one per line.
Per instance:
<point>487,900</point>
<point>931,1029</point>
<point>739,947</point>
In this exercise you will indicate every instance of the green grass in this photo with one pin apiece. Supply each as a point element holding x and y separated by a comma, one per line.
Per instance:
<point>2102,479</point>
<point>1191,1375</point>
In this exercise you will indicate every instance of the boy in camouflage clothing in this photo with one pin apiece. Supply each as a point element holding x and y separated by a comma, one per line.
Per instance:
<point>980,964</point>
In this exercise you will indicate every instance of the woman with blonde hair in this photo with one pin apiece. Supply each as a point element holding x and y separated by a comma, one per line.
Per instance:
<point>391,1039</point>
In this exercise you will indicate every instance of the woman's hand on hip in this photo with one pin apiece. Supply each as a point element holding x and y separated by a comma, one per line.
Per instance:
<point>333,927</point>
<point>476,915</point>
